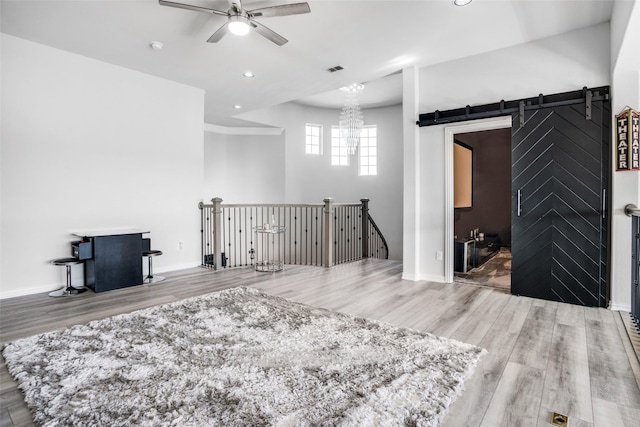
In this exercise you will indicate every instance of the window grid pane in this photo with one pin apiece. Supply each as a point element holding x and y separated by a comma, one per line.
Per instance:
<point>368,151</point>
<point>313,139</point>
<point>339,155</point>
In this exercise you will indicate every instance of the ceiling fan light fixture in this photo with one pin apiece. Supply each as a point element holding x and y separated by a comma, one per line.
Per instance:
<point>239,25</point>
<point>461,2</point>
<point>240,21</point>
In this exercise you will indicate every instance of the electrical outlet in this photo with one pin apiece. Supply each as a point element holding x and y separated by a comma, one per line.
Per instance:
<point>179,246</point>
<point>438,255</point>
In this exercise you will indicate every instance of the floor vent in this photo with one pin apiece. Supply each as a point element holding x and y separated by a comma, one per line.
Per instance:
<point>559,419</point>
<point>336,68</point>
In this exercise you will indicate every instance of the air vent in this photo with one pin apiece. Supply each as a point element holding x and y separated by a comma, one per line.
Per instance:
<point>336,68</point>
<point>559,420</point>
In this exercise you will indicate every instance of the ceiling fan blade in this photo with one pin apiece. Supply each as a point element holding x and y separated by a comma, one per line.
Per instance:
<point>192,7</point>
<point>268,33</point>
<point>281,10</point>
<point>218,35</point>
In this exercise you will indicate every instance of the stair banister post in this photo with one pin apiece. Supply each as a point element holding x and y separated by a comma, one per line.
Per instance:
<point>365,227</point>
<point>328,232</point>
<point>217,232</point>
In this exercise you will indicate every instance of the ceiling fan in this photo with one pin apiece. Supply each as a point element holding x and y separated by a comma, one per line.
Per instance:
<point>241,20</point>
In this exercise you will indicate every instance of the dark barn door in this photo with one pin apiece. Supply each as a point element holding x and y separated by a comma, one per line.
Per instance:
<point>559,217</point>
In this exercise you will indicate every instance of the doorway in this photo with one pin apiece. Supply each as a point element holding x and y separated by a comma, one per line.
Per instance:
<point>482,219</point>
<point>451,133</point>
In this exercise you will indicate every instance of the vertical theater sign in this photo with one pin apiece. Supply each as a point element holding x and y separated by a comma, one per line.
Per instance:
<point>628,140</point>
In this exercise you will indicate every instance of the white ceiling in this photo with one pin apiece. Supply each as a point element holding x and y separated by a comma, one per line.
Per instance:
<point>371,39</point>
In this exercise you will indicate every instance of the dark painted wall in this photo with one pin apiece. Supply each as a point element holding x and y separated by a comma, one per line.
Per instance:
<point>491,211</point>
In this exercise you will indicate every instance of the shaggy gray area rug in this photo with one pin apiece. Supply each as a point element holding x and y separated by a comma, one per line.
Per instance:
<point>239,357</point>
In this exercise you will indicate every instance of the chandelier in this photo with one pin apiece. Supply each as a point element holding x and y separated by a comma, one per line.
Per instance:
<point>351,119</point>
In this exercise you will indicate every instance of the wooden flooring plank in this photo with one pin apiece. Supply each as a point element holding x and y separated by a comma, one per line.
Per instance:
<point>570,314</point>
<point>566,387</point>
<point>516,400</point>
<point>458,314</point>
<point>5,418</point>
<point>469,409</point>
<point>403,313</point>
<point>607,414</point>
<point>480,320</point>
<point>532,346</point>
<point>611,375</point>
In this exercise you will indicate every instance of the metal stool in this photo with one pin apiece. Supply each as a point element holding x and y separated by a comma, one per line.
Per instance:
<point>150,277</point>
<point>69,290</point>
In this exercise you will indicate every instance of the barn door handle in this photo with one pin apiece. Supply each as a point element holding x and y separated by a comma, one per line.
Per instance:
<point>604,202</point>
<point>519,202</point>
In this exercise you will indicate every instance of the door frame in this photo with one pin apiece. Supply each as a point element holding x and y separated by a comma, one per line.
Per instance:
<point>450,131</point>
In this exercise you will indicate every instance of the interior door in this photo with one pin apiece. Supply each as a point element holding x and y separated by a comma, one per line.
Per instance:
<point>559,230</point>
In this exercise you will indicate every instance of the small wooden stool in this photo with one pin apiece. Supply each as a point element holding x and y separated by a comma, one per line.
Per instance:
<point>150,277</point>
<point>69,290</point>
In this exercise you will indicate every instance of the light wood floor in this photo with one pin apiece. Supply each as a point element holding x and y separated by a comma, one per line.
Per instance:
<point>543,356</point>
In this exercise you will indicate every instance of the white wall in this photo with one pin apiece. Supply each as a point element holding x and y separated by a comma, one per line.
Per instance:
<point>244,168</point>
<point>558,64</point>
<point>625,71</point>
<point>89,145</point>
<point>310,179</point>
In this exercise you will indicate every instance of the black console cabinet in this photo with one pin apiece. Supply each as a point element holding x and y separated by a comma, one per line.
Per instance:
<point>471,253</point>
<point>482,251</point>
<point>115,259</point>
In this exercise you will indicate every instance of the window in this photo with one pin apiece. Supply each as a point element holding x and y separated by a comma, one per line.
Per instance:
<point>368,151</point>
<point>339,154</point>
<point>313,140</point>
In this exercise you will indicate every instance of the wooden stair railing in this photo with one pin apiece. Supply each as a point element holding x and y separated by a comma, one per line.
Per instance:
<point>322,234</point>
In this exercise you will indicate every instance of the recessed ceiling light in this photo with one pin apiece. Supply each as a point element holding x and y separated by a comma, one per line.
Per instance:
<point>237,107</point>
<point>248,74</point>
<point>155,45</point>
<point>461,2</point>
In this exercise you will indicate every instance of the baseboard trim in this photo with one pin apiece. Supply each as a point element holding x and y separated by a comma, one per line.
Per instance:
<point>425,277</point>
<point>46,288</point>
<point>22,292</point>
<point>177,267</point>
<point>620,307</point>
<point>432,278</point>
